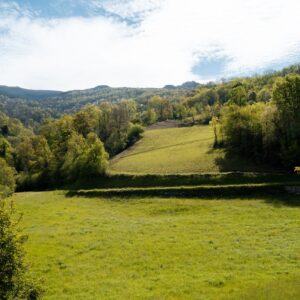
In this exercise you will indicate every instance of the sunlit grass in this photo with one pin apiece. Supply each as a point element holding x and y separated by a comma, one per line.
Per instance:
<point>172,150</point>
<point>177,151</point>
<point>157,248</point>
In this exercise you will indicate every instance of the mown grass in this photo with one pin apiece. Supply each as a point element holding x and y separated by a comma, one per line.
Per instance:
<point>162,248</point>
<point>177,151</point>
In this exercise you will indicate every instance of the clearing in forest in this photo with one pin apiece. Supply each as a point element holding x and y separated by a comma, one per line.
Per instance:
<point>177,151</point>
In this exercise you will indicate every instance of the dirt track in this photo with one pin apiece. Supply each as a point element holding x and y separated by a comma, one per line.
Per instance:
<point>164,124</point>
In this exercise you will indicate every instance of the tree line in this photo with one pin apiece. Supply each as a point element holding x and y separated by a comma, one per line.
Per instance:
<point>266,132</point>
<point>67,148</point>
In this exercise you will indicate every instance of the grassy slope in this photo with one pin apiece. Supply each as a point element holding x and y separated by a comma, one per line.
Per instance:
<point>172,150</point>
<point>176,151</point>
<point>158,248</point>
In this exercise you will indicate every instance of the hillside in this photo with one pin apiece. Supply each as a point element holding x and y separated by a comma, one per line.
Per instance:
<point>17,92</point>
<point>39,105</point>
<point>204,99</point>
<point>178,150</point>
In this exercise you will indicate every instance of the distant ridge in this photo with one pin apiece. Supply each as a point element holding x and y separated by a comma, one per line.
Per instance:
<point>17,92</point>
<point>189,85</point>
<point>127,92</point>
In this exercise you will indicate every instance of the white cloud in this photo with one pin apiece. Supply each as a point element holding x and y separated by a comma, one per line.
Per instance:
<point>130,8</point>
<point>163,48</point>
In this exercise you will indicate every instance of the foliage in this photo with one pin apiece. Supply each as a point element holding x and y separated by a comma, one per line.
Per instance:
<point>7,179</point>
<point>215,123</point>
<point>267,131</point>
<point>238,95</point>
<point>135,133</point>
<point>242,129</point>
<point>286,97</point>
<point>256,118</point>
<point>34,108</point>
<point>149,117</point>
<point>85,157</point>
<point>14,280</point>
<point>162,107</point>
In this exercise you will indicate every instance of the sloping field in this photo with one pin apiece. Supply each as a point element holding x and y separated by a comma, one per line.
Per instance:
<point>176,151</point>
<point>96,247</point>
<point>170,151</point>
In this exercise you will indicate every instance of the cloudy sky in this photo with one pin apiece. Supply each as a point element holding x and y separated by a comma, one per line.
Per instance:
<point>76,44</point>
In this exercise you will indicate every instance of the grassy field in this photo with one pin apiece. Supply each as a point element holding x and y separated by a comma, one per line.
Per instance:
<point>177,151</point>
<point>153,230</point>
<point>90,247</point>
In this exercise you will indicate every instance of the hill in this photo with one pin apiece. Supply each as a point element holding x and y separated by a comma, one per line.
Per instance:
<point>17,92</point>
<point>178,150</point>
<point>72,101</point>
<point>38,105</point>
<point>187,99</point>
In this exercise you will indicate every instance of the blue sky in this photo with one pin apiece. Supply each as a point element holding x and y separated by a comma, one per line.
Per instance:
<point>68,44</point>
<point>66,9</point>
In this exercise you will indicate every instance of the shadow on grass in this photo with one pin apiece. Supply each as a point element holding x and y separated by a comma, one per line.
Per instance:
<point>234,163</point>
<point>272,194</point>
<point>117,181</point>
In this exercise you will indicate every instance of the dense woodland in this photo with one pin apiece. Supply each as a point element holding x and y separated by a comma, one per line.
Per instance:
<point>70,136</point>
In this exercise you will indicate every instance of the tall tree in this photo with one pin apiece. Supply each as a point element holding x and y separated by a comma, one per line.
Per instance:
<point>286,96</point>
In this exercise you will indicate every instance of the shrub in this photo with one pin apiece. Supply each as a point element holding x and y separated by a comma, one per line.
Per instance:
<point>135,133</point>
<point>14,280</point>
<point>7,179</point>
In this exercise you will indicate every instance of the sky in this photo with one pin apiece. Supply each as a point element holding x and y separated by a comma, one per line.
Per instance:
<point>78,44</point>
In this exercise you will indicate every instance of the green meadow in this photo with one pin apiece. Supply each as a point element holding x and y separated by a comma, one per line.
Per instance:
<point>178,151</point>
<point>153,230</point>
<point>92,247</point>
<point>170,151</point>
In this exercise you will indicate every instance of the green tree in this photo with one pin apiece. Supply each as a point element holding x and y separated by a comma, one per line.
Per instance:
<point>6,151</point>
<point>180,111</point>
<point>192,113</point>
<point>238,96</point>
<point>150,116</point>
<point>7,179</point>
<point>264,95</point>
<point>130,107</point>
<point>215,125</point>
<point>135,133</point>
<point>34,155</point>
<point>162,107</point>
<point>58,133</point>
<point>95,161</point>
<point>85,157</point>
<point>243,130</point>
<point>286,97</point>
<point>83,124</point>
<point>15,282</point>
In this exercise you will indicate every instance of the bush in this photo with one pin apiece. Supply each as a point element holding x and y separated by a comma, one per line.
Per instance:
<point>7,179</point>
<point>135,133</point>
<point>14,280</point>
